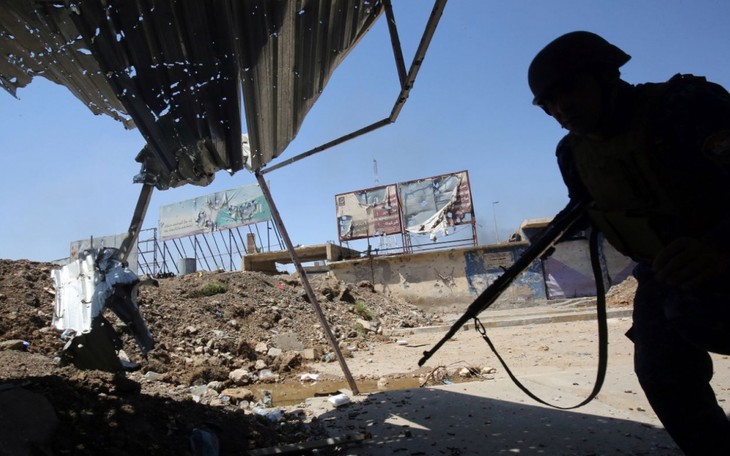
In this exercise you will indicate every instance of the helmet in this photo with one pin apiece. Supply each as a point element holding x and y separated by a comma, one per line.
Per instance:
<point>569,54</point>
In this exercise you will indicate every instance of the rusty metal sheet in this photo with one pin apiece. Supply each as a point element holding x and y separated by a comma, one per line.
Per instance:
<point>179,69</point>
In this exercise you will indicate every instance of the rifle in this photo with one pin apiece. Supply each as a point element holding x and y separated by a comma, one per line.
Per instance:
<point>550,235</point>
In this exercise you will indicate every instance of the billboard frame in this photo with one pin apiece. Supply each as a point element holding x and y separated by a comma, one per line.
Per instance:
<point>441,219</point>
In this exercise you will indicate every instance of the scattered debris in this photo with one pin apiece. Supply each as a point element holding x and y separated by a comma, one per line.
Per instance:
<point>339,399</point>
<point>306,447</point>
<point>197,373</point>
<point>14,344</point>
<point>98,279</point>
<point>197,354</point>
<point>309,377</point>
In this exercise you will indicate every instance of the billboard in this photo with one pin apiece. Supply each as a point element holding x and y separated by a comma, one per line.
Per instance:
<point>367,213</point>
<point>423,206</point>
<point>218,211</point>
<point>434,203</point>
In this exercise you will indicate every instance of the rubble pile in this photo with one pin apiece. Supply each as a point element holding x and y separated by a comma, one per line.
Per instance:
<point>622,294</point>
<point>216,334</point>
<point>261,324</point>
<point>221,339</point>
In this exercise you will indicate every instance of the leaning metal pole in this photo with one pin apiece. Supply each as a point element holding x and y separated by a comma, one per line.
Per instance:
<point>130,241</point>
<point>406,81</point>
<point>305,282</point>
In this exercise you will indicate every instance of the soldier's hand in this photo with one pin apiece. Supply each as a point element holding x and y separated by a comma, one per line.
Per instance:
<point>689,263</point>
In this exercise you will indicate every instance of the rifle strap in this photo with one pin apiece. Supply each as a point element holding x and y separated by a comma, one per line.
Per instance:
<point>601,316</point>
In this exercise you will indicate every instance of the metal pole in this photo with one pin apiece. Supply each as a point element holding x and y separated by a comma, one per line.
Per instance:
<point>494,214</point>
<point>305,282</point>
<point>137,218</point>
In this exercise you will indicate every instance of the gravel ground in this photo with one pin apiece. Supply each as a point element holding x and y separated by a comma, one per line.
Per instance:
<point>212,373</point>
<point>209,372</point>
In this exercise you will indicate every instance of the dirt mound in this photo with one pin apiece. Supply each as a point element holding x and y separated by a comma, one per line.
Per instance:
<point>234,319</point>
<point>622,294</point>
<point>218,334</point>
<point>215,333</point>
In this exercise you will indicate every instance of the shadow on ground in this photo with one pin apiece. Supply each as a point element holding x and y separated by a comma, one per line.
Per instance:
<point>56,416</point>
<point>450,421</point>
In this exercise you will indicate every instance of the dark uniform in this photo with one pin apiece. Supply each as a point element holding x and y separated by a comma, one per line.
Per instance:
<point>664,173</point>
<point>654,161</point>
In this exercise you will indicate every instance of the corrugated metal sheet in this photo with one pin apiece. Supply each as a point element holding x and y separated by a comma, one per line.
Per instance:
<point>179,69</point>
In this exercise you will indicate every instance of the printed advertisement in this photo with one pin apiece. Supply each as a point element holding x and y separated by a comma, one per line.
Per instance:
<point>218,211</point>
<point>368,213</point>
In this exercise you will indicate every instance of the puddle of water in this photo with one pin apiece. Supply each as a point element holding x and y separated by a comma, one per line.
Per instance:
<point>292,393</point>
<point>295,393</point>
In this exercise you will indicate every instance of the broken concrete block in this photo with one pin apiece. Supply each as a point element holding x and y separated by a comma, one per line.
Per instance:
<point>216,386</point>
<point>311,354</point>
<point>14,344</point>
<point>366,325</point>
<point>290,360</point>
<point>287,341</point>
<point>238,394</point>
<point>239,375</point>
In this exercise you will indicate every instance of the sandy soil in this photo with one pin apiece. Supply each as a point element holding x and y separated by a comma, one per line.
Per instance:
<point>187,390</point>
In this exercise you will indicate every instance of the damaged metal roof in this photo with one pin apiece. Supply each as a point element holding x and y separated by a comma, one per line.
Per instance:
<point>179,70</point>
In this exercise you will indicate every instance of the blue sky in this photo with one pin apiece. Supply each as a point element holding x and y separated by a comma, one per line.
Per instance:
<point>67,174</point>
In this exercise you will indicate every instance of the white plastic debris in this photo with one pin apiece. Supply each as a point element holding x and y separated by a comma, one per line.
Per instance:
<point>339,399</point>
<point>309,377</point>
<point>198,391</point>
<point>272,415</point>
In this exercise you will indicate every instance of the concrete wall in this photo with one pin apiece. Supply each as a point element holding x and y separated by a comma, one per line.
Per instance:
<point>451,279</point>
<point>446,279</point>
<point>568,271</point>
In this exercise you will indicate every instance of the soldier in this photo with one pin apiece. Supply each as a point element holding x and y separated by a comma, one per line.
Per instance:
<point>654,160</point>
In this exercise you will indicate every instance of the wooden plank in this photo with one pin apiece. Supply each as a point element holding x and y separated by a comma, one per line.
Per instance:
<point>265,261</point>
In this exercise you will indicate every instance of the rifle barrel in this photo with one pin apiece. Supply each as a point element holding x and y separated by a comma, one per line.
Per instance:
<point>560,224</point>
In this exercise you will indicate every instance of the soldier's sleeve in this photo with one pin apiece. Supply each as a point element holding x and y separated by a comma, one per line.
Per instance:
<point>576,189</point>
<point>564,154</point>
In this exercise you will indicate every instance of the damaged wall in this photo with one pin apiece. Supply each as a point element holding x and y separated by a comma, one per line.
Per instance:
<point>446,279</point>
<point>568,272</point>
<point>450,279</point>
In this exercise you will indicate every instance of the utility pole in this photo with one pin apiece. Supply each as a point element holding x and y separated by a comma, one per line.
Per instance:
<point>494,214</point>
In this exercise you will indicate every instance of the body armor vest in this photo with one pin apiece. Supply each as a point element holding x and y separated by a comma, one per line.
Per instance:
<point>640,202</point>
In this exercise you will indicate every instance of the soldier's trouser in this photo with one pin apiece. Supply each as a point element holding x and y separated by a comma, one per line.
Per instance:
<point>672,333</point>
